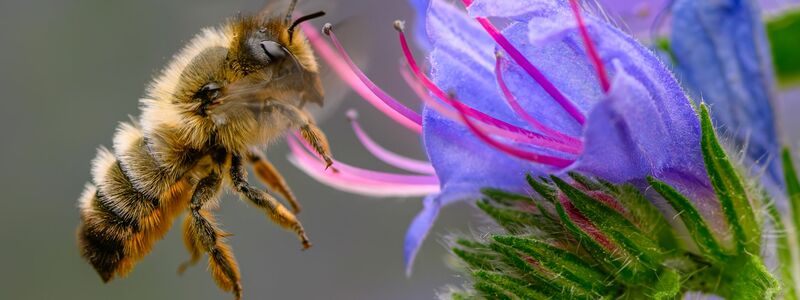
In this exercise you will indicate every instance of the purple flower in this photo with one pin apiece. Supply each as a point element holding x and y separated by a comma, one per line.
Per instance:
<point>551,92</point>
<point>722,56</point>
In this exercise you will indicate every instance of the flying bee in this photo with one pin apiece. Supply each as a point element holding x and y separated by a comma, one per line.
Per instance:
<point>230,90</point>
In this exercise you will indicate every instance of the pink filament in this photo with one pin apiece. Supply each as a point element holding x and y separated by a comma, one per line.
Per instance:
<point>374,186</point>
<point>590,48</point>
<point>346,182</point>
<point>526,155</point>
<point>531,69</point>
<point>386,156</point>
<point>511,131</point>
<point>341,68</point>
<point>375,175</point>
<point>391,102</point>
<point>512,101</point>
<point>453,115</point>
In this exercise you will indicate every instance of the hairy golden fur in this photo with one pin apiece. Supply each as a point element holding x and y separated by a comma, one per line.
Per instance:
<point>217,100</point>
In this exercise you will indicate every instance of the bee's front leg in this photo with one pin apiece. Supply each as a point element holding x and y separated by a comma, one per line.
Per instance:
<point>308,130</point>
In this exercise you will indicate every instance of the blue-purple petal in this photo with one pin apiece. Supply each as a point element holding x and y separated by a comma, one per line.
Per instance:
<point>721,53</point>
<point>422,223</point>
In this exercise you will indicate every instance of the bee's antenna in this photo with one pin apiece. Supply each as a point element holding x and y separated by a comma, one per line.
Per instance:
<point>290,12</point>
<point>303,19</point>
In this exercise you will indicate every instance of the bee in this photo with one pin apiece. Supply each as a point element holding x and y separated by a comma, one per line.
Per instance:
<point>230,91</point>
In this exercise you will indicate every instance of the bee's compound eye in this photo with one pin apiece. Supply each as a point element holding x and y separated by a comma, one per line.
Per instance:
<point>209,92</point>
<point>273,50</point>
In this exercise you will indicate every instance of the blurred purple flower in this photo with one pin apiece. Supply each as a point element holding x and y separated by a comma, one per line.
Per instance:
<point>551,92</point>
<point>722,56</point>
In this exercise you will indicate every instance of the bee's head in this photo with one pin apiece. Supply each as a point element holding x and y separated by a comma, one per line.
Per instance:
<point>270,55</point>
<point>229,79</point>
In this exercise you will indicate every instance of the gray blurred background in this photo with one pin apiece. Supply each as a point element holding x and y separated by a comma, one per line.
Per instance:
<point>71,70</point>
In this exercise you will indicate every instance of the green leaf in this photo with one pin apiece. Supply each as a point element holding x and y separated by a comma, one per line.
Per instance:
<point>783,32</point>
<point>585,276</point>
<point>699,230</point>
<point>668,285</point>
<point>729,189</point>
<point>614,225</point>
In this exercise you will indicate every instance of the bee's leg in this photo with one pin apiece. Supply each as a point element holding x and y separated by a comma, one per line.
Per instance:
<point>269,175</point>
<point>308,129</point>
<point>275,210</point>
<point>208,237</point>
<point>314,136</point>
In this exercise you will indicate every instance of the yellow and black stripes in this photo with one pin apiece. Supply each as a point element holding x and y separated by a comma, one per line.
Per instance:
<point>121,219</point>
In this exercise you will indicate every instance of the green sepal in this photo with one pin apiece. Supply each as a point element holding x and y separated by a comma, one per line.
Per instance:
<point>611,261</point>
<point>729,189</point>
<point>615,226</point>
<point>792,188</point>
<point>748,278</point>
<point>526,269</point>
<point>547,192</point>
<point>784,251</point>
<point>500,286</point>
<point>691,217</point>
<point>785,261</point>
<point>647,216</point>
<point>515,221</point>
<point>475,255</point>
<point>506,198</point>
<point>668,285</point>
<point>559,261</point>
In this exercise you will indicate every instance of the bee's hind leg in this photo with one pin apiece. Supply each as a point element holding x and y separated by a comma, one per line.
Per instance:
<point>270,176</point>
<point>203,233</point>
<point>275,210</point>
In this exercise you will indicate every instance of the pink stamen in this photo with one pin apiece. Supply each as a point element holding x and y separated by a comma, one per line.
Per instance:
<point>512,101</point>
<point>526,155</point>
<point>357,175</point>
<point>453,115</point>
<point>354,183</point>
<point>532,71</point>
<point>521,133</point>
<point>387,156</point>
<point>590,48</point>
<point>341,68</point>
<point>512,136</point>
<point>391,102</point>
<point>374,176</point>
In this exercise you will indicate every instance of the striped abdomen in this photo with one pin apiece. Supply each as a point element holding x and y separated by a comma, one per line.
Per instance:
<point>130,204</point>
